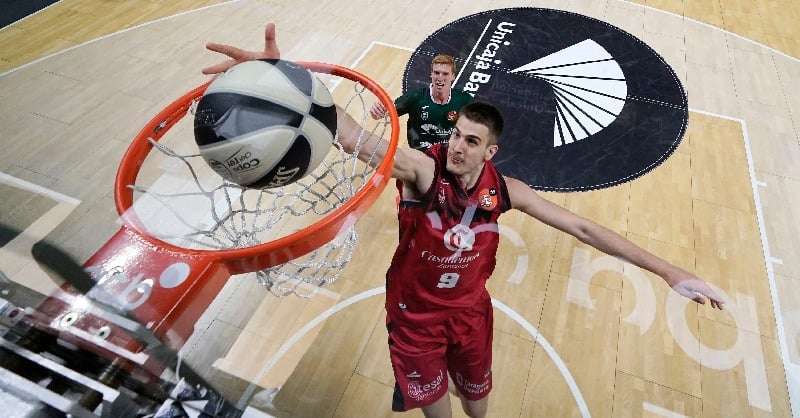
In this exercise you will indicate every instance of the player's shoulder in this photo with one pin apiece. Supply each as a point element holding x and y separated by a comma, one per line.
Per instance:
<point>438,149</point>
<point>413,93</point>
<point>462,96</point>
<point>417,95</point>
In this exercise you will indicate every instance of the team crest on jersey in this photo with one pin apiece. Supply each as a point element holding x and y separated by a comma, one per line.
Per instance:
<point>459,238</point>
<point>452,116</point>
<point>487,198</point>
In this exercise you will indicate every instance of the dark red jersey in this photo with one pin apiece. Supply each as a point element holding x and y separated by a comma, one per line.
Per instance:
<point>448,245</point>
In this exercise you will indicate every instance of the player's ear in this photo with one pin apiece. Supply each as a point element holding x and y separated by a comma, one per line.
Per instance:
<point>491,150</point>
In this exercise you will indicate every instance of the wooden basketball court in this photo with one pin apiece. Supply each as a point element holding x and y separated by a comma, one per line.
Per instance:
<point>578,333</point>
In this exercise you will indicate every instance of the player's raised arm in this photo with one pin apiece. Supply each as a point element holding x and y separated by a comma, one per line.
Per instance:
<point>410,165</point>
<point>687,284</point>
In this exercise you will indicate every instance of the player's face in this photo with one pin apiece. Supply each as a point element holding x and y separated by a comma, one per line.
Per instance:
<point>442,77</point>
<point>468,148</point>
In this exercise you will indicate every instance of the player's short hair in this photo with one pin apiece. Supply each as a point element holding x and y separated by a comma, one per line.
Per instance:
<point>485,114</point>
<point>445,60</point>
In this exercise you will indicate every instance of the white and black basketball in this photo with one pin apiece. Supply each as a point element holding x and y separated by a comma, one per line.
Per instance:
<point>265,123</point>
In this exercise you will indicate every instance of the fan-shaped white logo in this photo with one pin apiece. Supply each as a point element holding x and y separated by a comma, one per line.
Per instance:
<point>593,93</point>
<point>589,87</point>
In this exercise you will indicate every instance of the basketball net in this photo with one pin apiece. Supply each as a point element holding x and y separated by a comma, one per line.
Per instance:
<point>180,200</point>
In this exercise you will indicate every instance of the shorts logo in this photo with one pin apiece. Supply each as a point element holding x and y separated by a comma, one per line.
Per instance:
<point>472,387</point>
<point>420,391</point>
<point>586,104</point>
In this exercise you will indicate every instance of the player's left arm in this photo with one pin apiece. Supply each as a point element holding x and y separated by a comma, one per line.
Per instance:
<point>525,199</point>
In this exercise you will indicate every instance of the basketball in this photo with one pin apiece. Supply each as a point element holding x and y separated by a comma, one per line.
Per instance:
<point>265,123</point>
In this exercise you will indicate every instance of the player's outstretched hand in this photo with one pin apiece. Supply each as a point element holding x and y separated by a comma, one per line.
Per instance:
<point>697,290</point>
<point>238,55</point>
<point>377,110</point>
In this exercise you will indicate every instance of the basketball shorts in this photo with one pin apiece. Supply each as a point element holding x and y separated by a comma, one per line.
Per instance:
<point>423,356</point>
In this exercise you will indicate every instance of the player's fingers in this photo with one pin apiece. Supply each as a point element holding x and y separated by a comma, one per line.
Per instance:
<point>221,48</point>
<point>702,291</point>
<point>697,290</point>
<point>375,111</point>
<point>705,290</point>
<point>219,68</point>
<point>270,45</point>
<point>716,301</point>
<point>231,51</point>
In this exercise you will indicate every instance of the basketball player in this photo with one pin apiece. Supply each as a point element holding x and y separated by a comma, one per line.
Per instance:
<point>439,313</point>
<point>432,110</point>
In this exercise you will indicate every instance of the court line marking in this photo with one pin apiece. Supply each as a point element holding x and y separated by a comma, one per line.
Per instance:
<point>791,373</point>
<point>15,259</point>
<point>405,48</point>
<point>551,352</point>
<point>472,52</point>
<point>32,14</point>
<point>284,348</point>
<point>27,64</point>
<point>319,319</point>
<point>35,188</point>
<point>708,25</point>
<point>647,406</point>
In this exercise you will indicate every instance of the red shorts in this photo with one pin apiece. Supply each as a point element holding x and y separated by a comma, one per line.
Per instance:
<point>422,357</point>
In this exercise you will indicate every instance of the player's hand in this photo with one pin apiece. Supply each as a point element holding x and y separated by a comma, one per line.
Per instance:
<point>377,111</point>
<point>697,290</point>
<point>238,55</point>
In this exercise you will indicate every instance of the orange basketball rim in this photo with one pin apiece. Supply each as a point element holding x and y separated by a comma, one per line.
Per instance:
<point>167,287</point>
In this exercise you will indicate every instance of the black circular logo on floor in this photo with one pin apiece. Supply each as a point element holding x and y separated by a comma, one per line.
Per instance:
<point>586,105</point>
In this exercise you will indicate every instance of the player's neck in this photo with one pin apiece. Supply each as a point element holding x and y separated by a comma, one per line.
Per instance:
<point>440,96</point>
<point>469,180</point>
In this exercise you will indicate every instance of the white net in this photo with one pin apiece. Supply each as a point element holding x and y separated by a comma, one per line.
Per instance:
<point>179,199</point>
